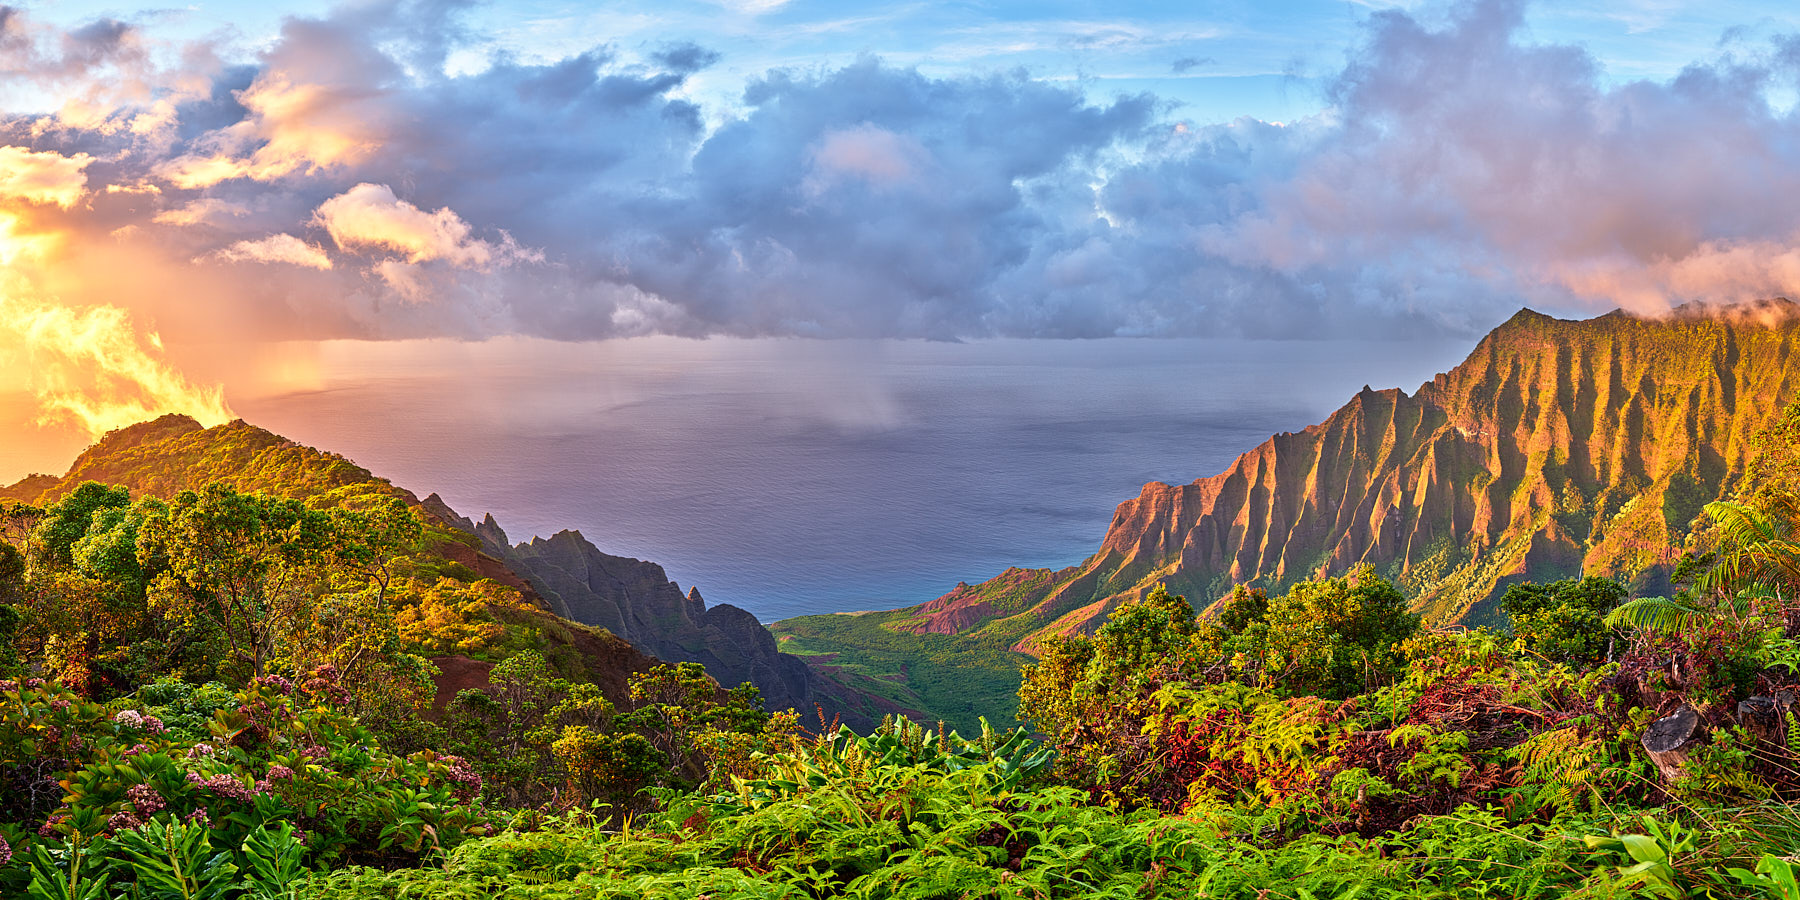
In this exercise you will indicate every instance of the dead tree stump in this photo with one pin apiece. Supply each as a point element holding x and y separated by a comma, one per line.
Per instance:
<point>1767,718</point>
<point>1669,739</point>
<point>1762,718</point>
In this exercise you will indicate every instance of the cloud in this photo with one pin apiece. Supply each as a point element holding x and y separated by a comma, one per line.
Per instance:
<point>752,7</point>
<point>200,211</point>
<point>369,216</point>
<point>685,56</point>
<point>291,127</point>
<point>43,177</point>
<point>1462,155</point>
<point>877,156</point>
<point>1461,170</point>
<point>277,248</point>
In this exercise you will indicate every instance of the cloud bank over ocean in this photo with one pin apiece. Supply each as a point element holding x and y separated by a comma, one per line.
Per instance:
<point>343,182</point>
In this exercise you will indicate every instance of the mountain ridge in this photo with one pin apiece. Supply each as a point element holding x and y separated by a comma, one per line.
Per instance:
<point>1556,447</point>
<point>635,604</point>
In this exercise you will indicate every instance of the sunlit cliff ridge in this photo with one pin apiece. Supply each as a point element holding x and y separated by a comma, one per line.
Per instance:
<point>1556,448</point>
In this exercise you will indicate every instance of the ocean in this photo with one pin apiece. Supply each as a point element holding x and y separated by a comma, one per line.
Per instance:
<point>792,477</point>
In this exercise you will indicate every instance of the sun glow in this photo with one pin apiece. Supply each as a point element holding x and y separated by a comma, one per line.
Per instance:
<point>92,367</point>
<point>88,367</point>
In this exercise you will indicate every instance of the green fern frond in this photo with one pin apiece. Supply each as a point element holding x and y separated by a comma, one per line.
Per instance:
<point>1658,614</point>
<point>1760,549</point>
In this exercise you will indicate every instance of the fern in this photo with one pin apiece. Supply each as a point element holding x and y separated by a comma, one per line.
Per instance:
<point>1564,769</point>
<point>58,874</point>
<point>1658,614</point>
<point>1761,549</point>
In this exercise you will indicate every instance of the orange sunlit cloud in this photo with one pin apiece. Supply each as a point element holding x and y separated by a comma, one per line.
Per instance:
<point>92,367</point>
<point>370,216</point>
<point>292,127</point>
<point>277,248</point>
<point>198,212</point>
<point>86,366</point>
<point>45,177</point>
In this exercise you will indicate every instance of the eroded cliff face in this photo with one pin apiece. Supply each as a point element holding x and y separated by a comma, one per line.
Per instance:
<point>1558,447</point>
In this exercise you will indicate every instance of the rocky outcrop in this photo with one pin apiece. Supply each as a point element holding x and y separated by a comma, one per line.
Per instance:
<point>637,601</point>
<point>1557,448</point>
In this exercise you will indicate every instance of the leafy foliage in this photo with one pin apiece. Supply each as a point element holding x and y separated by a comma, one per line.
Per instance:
<point>1567,621</point>
<point>239,709</point>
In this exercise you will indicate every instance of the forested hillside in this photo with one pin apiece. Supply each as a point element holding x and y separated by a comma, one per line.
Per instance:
<point>1319,741</point>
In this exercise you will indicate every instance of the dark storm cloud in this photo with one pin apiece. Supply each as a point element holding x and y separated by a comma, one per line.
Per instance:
<point>344,183</point>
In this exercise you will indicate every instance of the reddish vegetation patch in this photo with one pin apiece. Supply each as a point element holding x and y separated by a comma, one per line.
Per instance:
<point>1454,704</point>
<point>456,674</point>
<point>971,605</point>
<point>489,567</point>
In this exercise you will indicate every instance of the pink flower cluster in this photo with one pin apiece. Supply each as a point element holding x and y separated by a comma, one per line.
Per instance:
<point>280,773</point>
<point>223,785</point>
<point>202,751</point>
<point>145,800</point>
<point>131,718</point>
<point>467,780</point>
<point>323,683</point>
<point>123,821</point>
<point>5,852</point>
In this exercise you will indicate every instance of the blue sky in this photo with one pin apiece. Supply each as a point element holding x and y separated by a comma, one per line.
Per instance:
<point>1212,61</point>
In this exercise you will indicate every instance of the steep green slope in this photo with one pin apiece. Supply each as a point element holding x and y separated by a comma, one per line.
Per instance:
<point>565,577</point>
<point>950,678</point>
<point>174,453</point>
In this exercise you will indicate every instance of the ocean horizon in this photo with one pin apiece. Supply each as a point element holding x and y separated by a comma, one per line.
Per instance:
<point>793,477</point>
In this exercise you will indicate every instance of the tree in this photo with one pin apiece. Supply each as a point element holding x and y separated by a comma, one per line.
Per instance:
<point>1092,695</point>
<point>250,566</point>
<point>1565,620</point>
<point>1331,637</point>
<point>68,521</point>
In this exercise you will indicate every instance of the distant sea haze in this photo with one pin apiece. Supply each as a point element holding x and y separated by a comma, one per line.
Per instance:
<point>792,477</point>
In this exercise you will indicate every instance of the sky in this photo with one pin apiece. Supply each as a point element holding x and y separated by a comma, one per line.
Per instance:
<point>188,193</point>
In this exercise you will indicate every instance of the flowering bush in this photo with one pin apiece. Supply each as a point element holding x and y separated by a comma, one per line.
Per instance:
<point>83,776</point>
